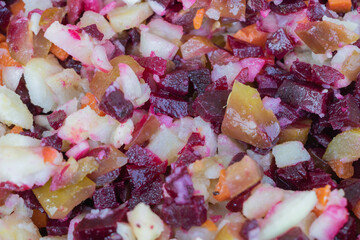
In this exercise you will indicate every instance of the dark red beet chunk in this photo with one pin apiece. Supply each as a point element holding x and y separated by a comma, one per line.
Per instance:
<point>36,132</point>
<point>57,227</point>
<point>302,70</point>
<point>278,44</point>
<point>302,176</point>
<point>23,92</point>
<point>56,119</point>
<point>200,78</point>
<point>344,112</point>
<point>107,178</point>
<point>155,65</point>
<point>308,97</point>
<point>186,157</point>
<point>243,49</point>
<point>176,82</point>
<point>196,139</point>
<point>210,106</point>
<point>114,104</point>
<point>294,233</point>
<point>288,114</point>
<point>71,63</point>
<point>99,228</point>
<point>75,7</point>
<point>94,32</point>
<point>150,194</point>
<point>288,6</point>
<point>258,5</point>
<point>52,141</point>
<point>105,198</point>
<point>142,157</point>
<point>184,215</point>
<point>351,188</point>
<point>348,231</point>
<point>315,11</point>
<point>236,204</point>
<point>5,15</point>
<point>179,185</point>
<point>247,227</point>
<point>174,107</point>
<point>31,200</point>
<point>325,75</point>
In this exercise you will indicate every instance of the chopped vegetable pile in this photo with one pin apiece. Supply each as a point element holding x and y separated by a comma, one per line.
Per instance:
<point>179,119</point>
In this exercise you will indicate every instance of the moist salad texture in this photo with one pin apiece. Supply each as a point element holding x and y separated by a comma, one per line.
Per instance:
<point>179,119</point>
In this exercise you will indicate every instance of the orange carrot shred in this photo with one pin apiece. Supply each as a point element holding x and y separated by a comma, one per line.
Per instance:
<point>341,6</point>
<point>90,100</point>
<point>323,194</point>
<point>16,129</point>
<point>210,225</point>
<point>58,52</point>
<point>222,192</point>
<point>49,154</point>
<point>6,60</point>
<point>198,19</point>
<point>252,35</point>
<point>16,7</point>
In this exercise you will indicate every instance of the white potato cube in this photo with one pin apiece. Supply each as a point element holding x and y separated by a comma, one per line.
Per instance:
<point>290,153</point>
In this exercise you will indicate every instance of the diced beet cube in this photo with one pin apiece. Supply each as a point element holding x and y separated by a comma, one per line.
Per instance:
<point>243,49</point>
<point>302,70</point>
<point>94,32</point>
<point>107,178</point>
<point>105,197</point>
<point>114,104</point>
<point>76,7</point>
<point>57,227</point>
<point>248,227</point>
<point>155,65</point>
<point>56,119</point>
<point>23,92</point>
<point>287,6</point>
<point>176,82</point>
<point>200,78</point>
<point>351,188</point>
<point>36,132</point>
<point>344,112</point>
<point>287,114</point>
<point>97,227</point>
<point>210,105</point>
<point>258,5</point>
<point>325,75</point>
<point>52,141</point>
<point>236,204</point>
<point>174,107</point>
<point>308,97</point>
<point>121,190</point>
<point>196,139</point>
<point>279,74</point>
<point>348,231</point>
<point>294,233</point>
<point>142,157</point>
<point>316,11</point>
<point>30,200</point>
<point>179,185</point>
<point>278,44</point>
<point>266,82</point>
<point>184,215</point>
<point>185,20</point>
<point>5,15</point>
<point>71,63</point>
<point>150,194</point>
<point>140,176</point>
<point>186,157</point>
<point>302,176</point>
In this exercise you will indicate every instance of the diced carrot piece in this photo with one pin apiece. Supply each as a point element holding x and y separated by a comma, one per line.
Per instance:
<point>6,60</point>
<point>49,154</point>
<point>17,6</point>
<point>341,6</point>
<point>198,19</point>
<point>2,38</point>
<point>323,194</point>
<point>252,35</point>
<point>90,100</point>
<point>16,129</point>
<point>222,192</point>
<point>210,225</point>
<point>342,170</point>
<point>58,52</point>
